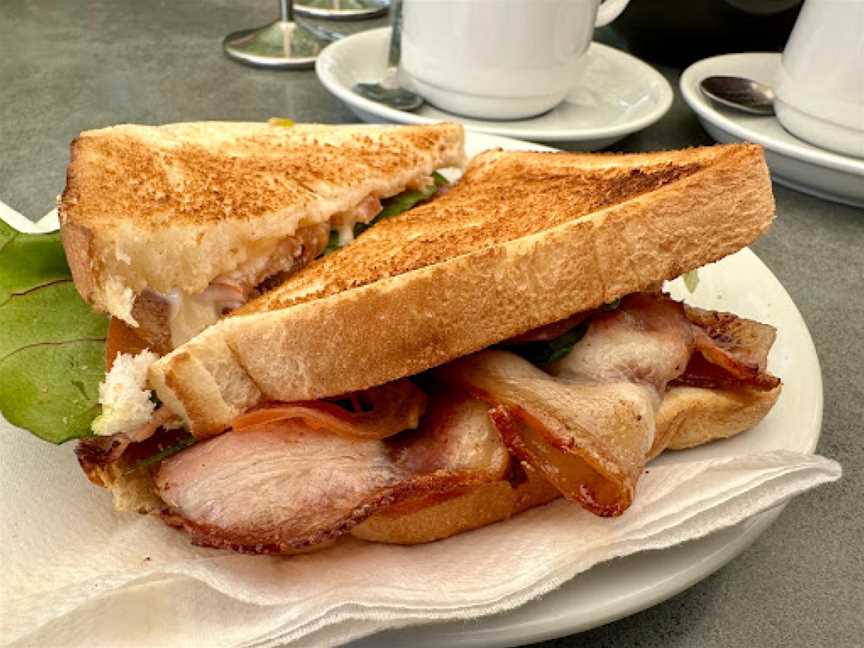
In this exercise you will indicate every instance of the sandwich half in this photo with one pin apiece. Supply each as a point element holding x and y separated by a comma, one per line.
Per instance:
<point>167,227</point>
<point>503,345</point>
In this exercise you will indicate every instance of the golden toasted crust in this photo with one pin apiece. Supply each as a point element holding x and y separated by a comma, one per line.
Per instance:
<point>172,207</point>
<point>476,508</point>
<point>692,416</point>
<point>524,240</point>
<point>131,490</point>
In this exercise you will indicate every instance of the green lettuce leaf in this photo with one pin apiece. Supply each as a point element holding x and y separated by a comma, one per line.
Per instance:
<point>691,280</point>
<point>406,200</point>
<point>332,243</point>
<point>182,442</point>
<point>549,351</point>
<point>52,346</point>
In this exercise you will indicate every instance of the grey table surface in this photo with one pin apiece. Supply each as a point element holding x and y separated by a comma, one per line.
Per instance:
<point>67,66</point>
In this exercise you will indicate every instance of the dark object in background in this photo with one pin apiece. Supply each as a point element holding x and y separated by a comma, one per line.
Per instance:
<point>679,32</point>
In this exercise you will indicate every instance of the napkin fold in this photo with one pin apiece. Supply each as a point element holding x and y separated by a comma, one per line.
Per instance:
<point>75,572</point>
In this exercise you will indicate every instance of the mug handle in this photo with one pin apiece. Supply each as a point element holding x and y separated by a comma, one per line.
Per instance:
<point>609,11</point>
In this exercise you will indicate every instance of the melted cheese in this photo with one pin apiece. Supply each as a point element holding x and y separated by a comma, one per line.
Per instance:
<point>191,314</point>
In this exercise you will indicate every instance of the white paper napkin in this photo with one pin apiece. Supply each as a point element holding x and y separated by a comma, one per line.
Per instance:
<point>74,572</point>
<point>77,573</point>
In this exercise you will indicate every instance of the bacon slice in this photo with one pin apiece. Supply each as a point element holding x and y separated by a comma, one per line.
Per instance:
<point>99,451</point>
<point>733,351</point>
<point>282,487</point>
<point>589,427</point>
<point>588,439</point>
<point>646,340</point>
<point>392,408</point>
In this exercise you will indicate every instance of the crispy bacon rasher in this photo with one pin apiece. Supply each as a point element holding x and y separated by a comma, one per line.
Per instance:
<point>588,424</point>
<point>377,413</point>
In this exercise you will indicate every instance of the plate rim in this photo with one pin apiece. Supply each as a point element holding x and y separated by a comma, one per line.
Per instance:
<point>703,108</point>
<point>741,535</point>
<point>324,71</point>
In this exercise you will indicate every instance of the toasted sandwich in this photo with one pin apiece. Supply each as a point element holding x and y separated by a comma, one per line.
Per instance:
<point>485,353</point>
<point>168,227</point>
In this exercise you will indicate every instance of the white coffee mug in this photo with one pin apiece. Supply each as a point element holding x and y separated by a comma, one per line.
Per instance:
<point>820,82</point>
<point>498,59</point>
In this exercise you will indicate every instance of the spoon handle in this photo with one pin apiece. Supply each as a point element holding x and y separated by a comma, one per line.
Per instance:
<point>395,52</point>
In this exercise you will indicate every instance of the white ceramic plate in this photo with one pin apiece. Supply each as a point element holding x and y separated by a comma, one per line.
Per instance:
<point>618,95</point>
<point>742,284</point>
<point>793,162</point>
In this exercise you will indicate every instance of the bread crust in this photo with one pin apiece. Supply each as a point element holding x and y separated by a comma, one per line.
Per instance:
<point>398,325</point>
<point>478,507</point>
<point>693,416</point>
<point>172,207</point>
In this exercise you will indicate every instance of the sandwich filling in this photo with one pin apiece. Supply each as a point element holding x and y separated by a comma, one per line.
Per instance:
<point>577,406</point>
<point>268,261</point>
<point>167,320</point>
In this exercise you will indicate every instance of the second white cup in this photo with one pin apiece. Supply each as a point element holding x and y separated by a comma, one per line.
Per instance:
<point>820,82</point>
<point>498,59</point>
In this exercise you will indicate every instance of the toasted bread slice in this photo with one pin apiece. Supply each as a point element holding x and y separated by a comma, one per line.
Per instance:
<point>170,208</point>
<point>692,416</point>
<point>478,507</point>
<point>523,240</point>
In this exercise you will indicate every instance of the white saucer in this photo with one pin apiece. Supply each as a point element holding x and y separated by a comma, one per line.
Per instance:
<point>618,95</point>
<point>793,162</point>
